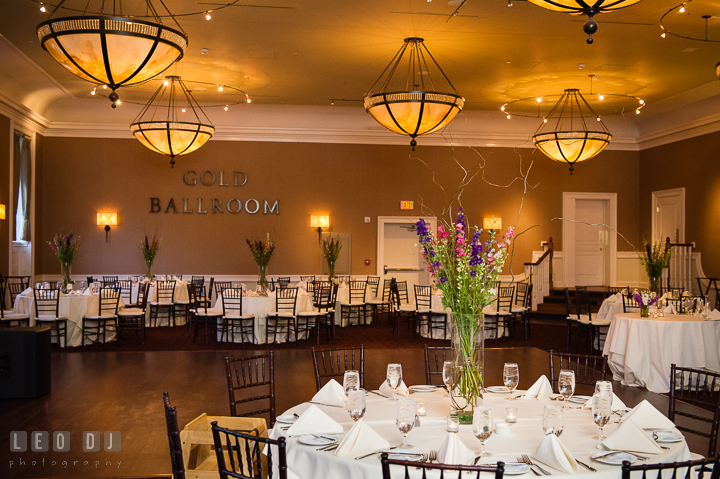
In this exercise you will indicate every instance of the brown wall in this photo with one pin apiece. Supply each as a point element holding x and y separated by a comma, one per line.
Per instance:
<point>39,249</point>
<point>692,164</point>
<point>6,138</point>
<point>80,177</point>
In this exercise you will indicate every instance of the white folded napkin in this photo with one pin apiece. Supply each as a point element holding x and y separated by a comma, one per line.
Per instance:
<point>629,437</point>
<point>645,416</point>
<point>402,389</point>
<point>361,439</point>
<point>615,298</point>
<point>540,390</point>
<point>453,451</point>
<point>332,393</point>
<point>314,421</point>
<point>616,403</point>
<point>88,292</point>
<point>714,315</point>
<point>670,309</point>
<point>27,292</point>
<point>554,453</point>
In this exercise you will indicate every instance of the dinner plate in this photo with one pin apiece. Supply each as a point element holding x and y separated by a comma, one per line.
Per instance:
<point>497,389</point>
<point>579,399</point>
<point>513,468</point>
<point>614,459</point>
<point>666,436</point>
<point>404,456</point>
<point>313,440</point>
<point>287,419</point>
<point>421,388</point>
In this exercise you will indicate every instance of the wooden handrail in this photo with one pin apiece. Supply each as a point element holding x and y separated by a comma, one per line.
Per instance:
<point>548,252</point>
<point>539,275</point>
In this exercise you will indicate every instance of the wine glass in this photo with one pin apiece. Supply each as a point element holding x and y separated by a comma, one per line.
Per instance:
<point>356,403</point>
<point>566,385</point>
<point>601,411</point>
<point>394,377</point>
<point>482,426</point>
<point>603,388</point>
<point>553,420</point>
<point>405,419</point>
<point>351,380</point>
<point>447,375</point>
<point>511,376</point>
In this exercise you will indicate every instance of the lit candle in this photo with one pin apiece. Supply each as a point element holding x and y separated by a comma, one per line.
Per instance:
<point>421,410</point>
<point>453,424</point>
<point>511,418</point>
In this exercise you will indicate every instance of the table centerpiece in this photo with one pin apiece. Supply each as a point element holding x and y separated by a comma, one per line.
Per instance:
<point>65,247</point>
<point>655,258</point>
<point>262,252</point>
<point>331,251</point>
<point>465,269</point>
<point>645,299</point>
<point>149,251</point>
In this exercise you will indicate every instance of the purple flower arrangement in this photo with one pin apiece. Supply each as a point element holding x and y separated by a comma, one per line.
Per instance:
<point>65,247</point>
<point>262,251</point>
<point>149,249</point>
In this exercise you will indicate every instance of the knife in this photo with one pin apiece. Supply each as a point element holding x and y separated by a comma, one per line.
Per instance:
<point>323,404</point>
<point>373,453</point>
<point>586,466</point>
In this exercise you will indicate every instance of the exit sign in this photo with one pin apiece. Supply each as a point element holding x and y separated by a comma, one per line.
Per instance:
<point>407,205</point>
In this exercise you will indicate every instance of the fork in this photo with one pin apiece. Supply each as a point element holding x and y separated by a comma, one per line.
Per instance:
<point>642,458</point>
<point>433,456</point>
<point>520,459</point>
<point>526,460</point>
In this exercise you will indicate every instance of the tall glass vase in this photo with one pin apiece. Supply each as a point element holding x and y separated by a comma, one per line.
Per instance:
<point>331,269</point>
<point>654,283</point>
<point>262,277</point>
<point>65,269</point>
<point>468,357</point>
<point>148,273</point>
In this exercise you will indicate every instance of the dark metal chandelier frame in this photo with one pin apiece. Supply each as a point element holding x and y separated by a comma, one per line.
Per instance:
<point>666,30</point>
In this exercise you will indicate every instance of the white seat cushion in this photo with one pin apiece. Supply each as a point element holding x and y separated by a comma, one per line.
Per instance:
<point>209,312</point>
<point>497,313</point>
<point>597,322</point>
<point>182,302</point>
<point>96,317</point>
<point>130,312</point>
<point>161,303</point>
<point>15,317</point>
<point>518,310</point>
<point>352,304</point>
<point>377,301</point>
<point>240,316</point>
<point>281,315</point>
<point>47,317</point>
<point>308,313</point>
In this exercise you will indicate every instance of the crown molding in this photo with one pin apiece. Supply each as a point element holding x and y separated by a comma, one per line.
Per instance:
<point>703,126</point>
<point>22,115</point>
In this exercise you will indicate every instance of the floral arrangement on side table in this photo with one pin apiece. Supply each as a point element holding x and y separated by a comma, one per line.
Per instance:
<point>655,258</point>
<point>331,251</point>
<point>65,247</point>
<point>465,268</point>
<point>262,252</point>
<point>149,250</point>
<point>645,299</point>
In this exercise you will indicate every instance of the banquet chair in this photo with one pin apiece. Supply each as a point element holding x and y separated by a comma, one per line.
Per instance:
<point>165,303</point>
<point>233,319</point>
<point>447,471</point>
<point>629,304</point>
<point>3,291</point>
<point>283,319</point>
<point>307,279</point>
<point>283,282</point>
<point>336,361</point>
<point>434,362</point>
<point>699,387</point>
<point>251,384</point>
<point>198,281</point>
<point>106,319</point>
<point>124,286</point>
<point>199,312</point>
<point>238,445</point>
<point>220,286</point>
<point>356,304</point>
<point>402,312</point>
<point>572,321</point>
<point>700,469</point>
<point>90,280</point>
<point>47,305</point>
<point>424,314</point>
<point>343,278</point>
<point>10,319</point>
<point>15,288</point>
<point>379,304</point>
<point>588,369</point>
<point>503,305</point>
<point>133,318</point>
<point>109,281</point>
<point>521,307</point>
<point>618,289</point>
<point>173,431</point>
<point>323,314</point>
<point>597,328</point>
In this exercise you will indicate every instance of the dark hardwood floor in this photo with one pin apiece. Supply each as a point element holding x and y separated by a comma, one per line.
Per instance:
<point>122,391</point>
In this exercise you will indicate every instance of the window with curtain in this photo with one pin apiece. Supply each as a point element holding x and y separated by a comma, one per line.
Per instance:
<point>21,183</point>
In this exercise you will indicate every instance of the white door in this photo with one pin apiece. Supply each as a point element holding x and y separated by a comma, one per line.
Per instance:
<point>669,215</point>
<point>398,255</point>
<point>590,239</point>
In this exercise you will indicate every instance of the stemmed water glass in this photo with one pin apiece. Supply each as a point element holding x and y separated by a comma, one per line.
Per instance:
<point>351,380</point>
<point>482,427</point>
<point>566,385</point>
<point>356,403</point>
<point>405,419</point>
<point>447,375</point>
<point>511,376</point>
<point>601,410</point>
<point>553,420</point>
<point>394,377</point>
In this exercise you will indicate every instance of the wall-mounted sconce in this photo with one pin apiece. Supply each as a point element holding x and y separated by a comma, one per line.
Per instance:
<point>492,223</point>
<point>2,212</point>
<point>320,222</point>
<point>107,219</point>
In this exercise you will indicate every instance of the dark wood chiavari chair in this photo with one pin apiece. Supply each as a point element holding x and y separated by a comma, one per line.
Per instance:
<point>234,320</point>
<point>283,319</point>
<point>173,431</point>
<point>15,288</point>
<point>434,359</point>
<point>133,318</point>
<point>200,313</point>
<point>424,314</point>
<point>109,281</point>
<point>588,369</point>
<point>701,469</point>
<point>445,469</point>
<point>124,286</point>
<point>47,306</point>
<point>597,328</point>
<point>402,312</point>
<point>249,374</point>
<point>503,306</point>
<point>165,303</point>
<point>522,307</point>
<point>335,361</point>
<point>238,446</point>
<point>355,307</point>
<point>106,320</point>
<point>220,286</point>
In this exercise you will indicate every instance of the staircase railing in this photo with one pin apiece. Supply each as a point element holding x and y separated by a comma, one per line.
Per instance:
<point>540,275</point>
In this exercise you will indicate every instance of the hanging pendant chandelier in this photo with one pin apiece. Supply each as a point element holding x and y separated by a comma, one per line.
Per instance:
<point>112,50</point>
<point>179,130</point>
<point>419,109</point>
<point>585,7</point>
<point>564,134</point>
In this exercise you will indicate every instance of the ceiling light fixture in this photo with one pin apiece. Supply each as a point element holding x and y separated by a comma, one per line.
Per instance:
<point>420,108</point>
<point>585,7</point>
<point>112,50</point>
<point>168,135</point>
<point>567,137</point>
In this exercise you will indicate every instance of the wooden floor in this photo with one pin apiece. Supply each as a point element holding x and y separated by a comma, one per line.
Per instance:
<point>122,391</point>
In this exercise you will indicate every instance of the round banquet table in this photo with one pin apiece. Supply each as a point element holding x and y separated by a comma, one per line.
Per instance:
<point>306,462</point>
<point>73,307</point>
<point>641,350</point>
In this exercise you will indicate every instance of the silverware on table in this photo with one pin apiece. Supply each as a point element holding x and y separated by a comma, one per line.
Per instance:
<point>526,460</point>
<point>586,466</point>
<point>327,438</point>
<point>520,459</point>
<point>380,394</point>
<point>642,458</point>
<point>433,456</point>
<point>373,453</point>
<point>323,404</point>
<point>512,398</point>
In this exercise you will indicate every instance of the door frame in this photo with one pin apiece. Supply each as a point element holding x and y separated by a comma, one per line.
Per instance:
<point>382,221</point>
<point>568,235</point>
<point>663,194</point>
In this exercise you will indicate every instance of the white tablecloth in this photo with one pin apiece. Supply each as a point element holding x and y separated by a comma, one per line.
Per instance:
<point>72,307</point>
<point>640,351</point>
<point>305,462</point>
<point>610,307</point>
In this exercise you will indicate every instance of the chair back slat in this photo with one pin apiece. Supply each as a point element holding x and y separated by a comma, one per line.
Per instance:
<point>629,304</point>
<point>285,301</point>
<point>700,469</point>
<point>232,301</point>
<point>423,297</point>
<point>435,356</point>
<point>173,431</point>
<point>446,470</point>
<point>251,372</point>
<point>504,299</point>
<point>47,302</point>
<point>336,361</point>
<point>588,369</point>
<point>357,291</point>
<point>166,291</point>
<point>109,302</point>
<point>232,444</point>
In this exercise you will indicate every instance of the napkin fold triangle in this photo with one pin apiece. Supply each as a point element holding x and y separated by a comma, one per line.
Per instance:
<point>402,389</point>
<point>540,390</point>
<point>332,393</point>
<point>27,292</point>
<point>629,437</point>
<point>361,439</point>
<point>453,451</point>
<point>616,403</point>
<point>615,298</point>
<point>714,315</point>
<point>554,453</point>
<point>314,421</point>
<point>645,416</point>
<point>670,309</point>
